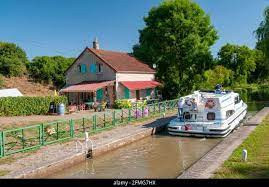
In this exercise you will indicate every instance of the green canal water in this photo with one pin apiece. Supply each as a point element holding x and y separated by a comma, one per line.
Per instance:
<point>158,156</point>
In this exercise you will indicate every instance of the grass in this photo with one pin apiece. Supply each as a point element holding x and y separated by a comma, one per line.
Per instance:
<point>3,172</point>
<point>257,164</point>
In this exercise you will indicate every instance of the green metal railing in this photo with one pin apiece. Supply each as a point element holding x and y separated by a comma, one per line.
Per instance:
<point>32,137</point>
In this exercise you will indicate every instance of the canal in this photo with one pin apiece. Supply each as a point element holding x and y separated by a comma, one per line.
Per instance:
<point>158,156</point>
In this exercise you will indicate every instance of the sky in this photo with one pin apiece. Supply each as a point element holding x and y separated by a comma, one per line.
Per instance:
<point>66,27</point>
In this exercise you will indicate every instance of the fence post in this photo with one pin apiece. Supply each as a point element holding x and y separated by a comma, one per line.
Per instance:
<point>129,114</point>
<point>71,127</point>
<point>121,115</point>
<point>142,111</point>
<point>57,130</point>
<point>94,122</point>
<point>1,145</point>
<point>136,116</point>
<point>159,107</point>
<point>42,133</point>
<point>104,120</point>
<point>113,118</point>
<point>154,109</point>
<point>83,124</point>
<point>22,138</point>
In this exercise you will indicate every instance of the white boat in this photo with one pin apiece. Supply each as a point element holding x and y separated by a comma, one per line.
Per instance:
<point>209,114</point>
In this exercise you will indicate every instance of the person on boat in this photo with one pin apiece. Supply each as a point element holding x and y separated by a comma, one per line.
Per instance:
<point>194,105</point>
<point>180,107</point>
<point>218,89</point>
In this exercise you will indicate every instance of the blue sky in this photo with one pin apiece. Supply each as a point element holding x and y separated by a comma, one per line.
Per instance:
<point>65,27</point>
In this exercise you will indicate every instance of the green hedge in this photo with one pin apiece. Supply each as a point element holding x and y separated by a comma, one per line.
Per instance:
<point>18,106</point>
<point>254,93</point>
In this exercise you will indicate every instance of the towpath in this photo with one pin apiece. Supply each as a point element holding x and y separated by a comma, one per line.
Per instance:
<point>53,158</point>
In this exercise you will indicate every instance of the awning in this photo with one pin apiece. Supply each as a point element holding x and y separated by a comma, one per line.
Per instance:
<point>139,85</point>
<point>87,86</point>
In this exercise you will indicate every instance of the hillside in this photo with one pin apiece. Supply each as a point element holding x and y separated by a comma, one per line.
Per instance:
<point>28,87</point>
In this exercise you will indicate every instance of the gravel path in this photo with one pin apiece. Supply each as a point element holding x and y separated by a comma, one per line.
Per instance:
<point>19,121</point>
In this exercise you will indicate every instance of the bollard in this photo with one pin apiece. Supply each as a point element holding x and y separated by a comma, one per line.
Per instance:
<point>244,155</point>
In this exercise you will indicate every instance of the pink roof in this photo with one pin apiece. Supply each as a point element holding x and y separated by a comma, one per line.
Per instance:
<point>87,86</point>
<point>139,85</point>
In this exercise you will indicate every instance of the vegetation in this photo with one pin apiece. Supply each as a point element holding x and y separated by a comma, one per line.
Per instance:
<point>1,81</point>
<point>257,145</point>
<point>14,63</point>
<point>50,69</point>
<point>240,59</point>
<point>17,106</point>
<point>177,38</point>
<point>122,103</point>
<point>13,60</point>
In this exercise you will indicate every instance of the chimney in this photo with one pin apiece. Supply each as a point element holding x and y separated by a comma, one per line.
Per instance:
<point>95,43</point>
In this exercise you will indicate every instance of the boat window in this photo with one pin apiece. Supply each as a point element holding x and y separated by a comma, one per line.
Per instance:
<point>211,116</point>
<point>229,113</point>
<point>236,100</point>
<point>187,115</point>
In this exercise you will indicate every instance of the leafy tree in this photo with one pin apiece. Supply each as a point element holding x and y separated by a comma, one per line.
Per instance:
<point>50,69</point>
<point>218,75</point>
<point>177,38</point>
<point>261,72</point>
<point>13,60</point>
<point>262,34</point>
<point>240,59</point>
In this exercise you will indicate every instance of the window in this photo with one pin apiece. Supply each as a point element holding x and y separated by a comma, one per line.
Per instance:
<point>187,115</point>
<point>236,100</point>
<point>229,113</point>
<point>211,116</point>
<point>99,68</point>
<point>82,68</point>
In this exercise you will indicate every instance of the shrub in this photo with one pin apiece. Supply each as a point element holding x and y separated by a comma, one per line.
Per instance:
<point>1,81</point>
<point>17,106</point>
<point>122,103</point>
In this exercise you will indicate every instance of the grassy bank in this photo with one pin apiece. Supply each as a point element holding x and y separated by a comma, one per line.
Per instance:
<point>257,165</point>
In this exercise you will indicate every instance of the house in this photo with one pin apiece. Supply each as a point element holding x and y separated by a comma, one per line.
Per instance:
<point>98,75</point>
<point>12,92</point>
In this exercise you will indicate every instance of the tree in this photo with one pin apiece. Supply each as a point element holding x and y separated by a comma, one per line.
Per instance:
<point>261,72</point>
<point>240,59</point>
<point>50,69</point>
<point>218,75</point>
<point>177,38</point>
<point>262,35</point>
<point>13,60</point>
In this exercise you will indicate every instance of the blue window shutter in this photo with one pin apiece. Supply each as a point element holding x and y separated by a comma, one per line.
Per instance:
<point>126,93</point>
<point>93,68</point>
<point>99,94</point>
<point>83,68</point>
